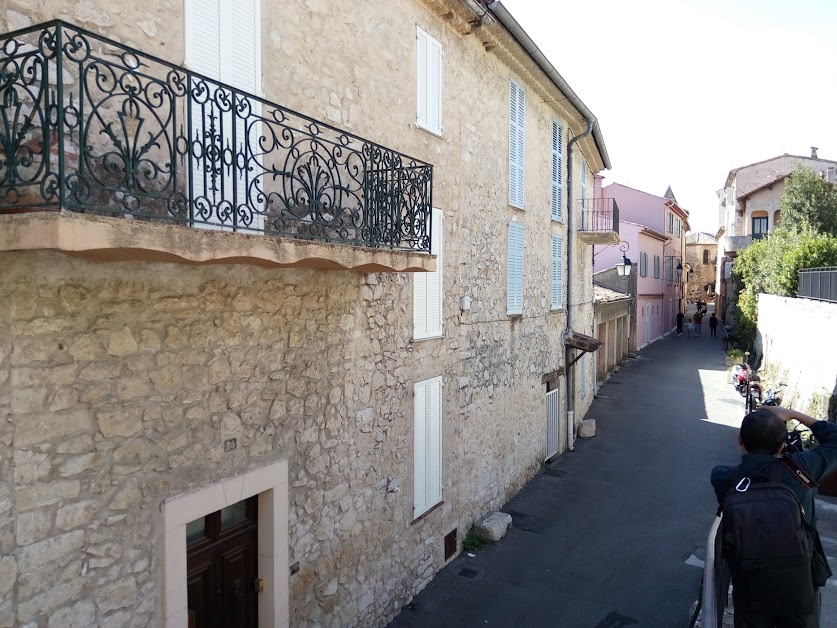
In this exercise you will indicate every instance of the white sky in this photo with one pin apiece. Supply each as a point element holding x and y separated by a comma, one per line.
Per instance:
<point>684,91</point>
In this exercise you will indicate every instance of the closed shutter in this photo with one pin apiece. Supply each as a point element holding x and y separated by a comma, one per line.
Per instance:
<point>557,272</point>
<point>583,184</point>
<point>428,287</point>
<point>517,147</point>
<point>514,271</point>
<point>427,445</point>
<point>582,367</point>
<point>582,267</point>
<point>223,42</point>
<point>557,171</point>
<point>428,82</point>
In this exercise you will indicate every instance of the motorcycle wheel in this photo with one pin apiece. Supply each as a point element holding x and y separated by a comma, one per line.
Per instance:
<point>742,390</point>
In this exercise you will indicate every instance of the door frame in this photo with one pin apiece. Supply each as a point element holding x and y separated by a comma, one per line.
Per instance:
<point>271,485</point>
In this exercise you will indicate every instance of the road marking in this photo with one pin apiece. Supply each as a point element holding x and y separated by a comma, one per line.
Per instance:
<point>694,561</point>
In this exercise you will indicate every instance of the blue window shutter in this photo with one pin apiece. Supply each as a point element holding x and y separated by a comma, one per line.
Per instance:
<point>557,272</point>
<point>517,145</point>
<point>514,271</point>
<point>557,171</point>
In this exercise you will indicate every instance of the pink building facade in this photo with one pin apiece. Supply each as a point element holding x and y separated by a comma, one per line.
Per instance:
<point>654,229</point>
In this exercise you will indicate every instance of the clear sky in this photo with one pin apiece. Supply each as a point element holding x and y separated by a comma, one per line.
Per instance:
<point>684,91</point>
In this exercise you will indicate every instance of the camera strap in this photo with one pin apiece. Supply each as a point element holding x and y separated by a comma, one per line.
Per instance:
<point>798,472</point>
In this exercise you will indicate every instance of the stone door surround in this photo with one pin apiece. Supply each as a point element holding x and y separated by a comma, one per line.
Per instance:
<point>271,485</point>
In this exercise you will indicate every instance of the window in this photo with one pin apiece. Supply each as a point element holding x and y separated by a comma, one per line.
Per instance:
<point>643,264</point>
<point>678,226</point>
<point>669,222</point>
<point>759,227</point>
<point>656,267</point>
<point>514,269</point>
<point>517,144</point>
<point>557,272</point>
<point>429,82</point>
<point>557,171</point>
<point>427,445</point>
<point>670,270</point>
<point>427,288</point>
<point>705,256</point>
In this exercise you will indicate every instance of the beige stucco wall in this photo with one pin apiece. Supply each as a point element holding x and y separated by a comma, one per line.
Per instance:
<point>798,349</point>
<point>120,382</point>
<point>769,200</point>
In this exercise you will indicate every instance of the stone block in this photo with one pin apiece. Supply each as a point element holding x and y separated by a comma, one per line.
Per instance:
<point>73,515</point>
<point>493,526</point>
<point>8,575</point>
<point>32,526</point>
<point>125,422</point>
<point>587,428</point>
<point>51,549</point>
<point>79,615</point>
<point>46,493</point>
<point>52,426</point>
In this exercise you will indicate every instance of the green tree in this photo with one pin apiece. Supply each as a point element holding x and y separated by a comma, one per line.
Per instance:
<point>809,203</point>
<point>771,267</point>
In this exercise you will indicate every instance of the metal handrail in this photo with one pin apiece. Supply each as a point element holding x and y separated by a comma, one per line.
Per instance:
<point>89,124</point>
<point>599,214</point>
<point>710,606</point>
<point>818,283</point>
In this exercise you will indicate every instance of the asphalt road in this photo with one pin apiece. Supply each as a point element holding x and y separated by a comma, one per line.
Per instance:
<point>612,534</point>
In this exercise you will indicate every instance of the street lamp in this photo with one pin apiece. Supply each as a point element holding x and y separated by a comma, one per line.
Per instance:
<point>623,268</point>
<point>679,271</point>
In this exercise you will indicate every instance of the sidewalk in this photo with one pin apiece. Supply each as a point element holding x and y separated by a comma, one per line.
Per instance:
<point>613,533</point>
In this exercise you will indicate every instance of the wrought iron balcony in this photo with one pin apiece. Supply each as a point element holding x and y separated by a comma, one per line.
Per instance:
<point>599,221</point>
<point>89,125</point>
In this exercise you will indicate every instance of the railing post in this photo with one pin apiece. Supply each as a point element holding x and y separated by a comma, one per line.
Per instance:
<point>59,112</point>
<point>190,188</point>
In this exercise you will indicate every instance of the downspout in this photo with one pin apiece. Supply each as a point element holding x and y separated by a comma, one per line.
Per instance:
<point>569,330</point>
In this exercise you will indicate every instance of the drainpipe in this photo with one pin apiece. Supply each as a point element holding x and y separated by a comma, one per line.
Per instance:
<point>570,248</point>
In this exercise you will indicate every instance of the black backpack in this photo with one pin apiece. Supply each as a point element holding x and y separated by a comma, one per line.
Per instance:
<point>768,544</point>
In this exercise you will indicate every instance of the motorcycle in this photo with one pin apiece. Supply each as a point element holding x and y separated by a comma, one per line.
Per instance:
<point>772,397</point>
<point>740,378</point>
<point>753,393</point>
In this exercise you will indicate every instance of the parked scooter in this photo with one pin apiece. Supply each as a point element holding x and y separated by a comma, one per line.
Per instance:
<point>741,376</point>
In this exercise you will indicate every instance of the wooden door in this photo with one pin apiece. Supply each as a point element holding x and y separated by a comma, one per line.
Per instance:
<point>221,567</point>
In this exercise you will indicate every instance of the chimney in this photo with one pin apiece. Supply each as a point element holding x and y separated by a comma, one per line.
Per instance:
<point>813,152</point>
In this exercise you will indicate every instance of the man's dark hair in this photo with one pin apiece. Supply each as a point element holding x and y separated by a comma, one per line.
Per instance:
<point>762,432</point>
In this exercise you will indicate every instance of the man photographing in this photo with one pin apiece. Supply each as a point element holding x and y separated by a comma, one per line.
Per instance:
<point>776,561</point>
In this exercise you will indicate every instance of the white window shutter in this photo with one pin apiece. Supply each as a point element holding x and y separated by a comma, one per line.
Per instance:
<point>557,272</point>
<point>583,184</point>
<point>434,279</point>
<point>517,147</point>
<point>428,82</point>
<point>434,442</point>
<point>582,364</point>
<point>514,271</point>
<point>428,287</point>
<point>557,171</point>
<point>421,78</point>
<point>419,448</point>
<point>427,445</point>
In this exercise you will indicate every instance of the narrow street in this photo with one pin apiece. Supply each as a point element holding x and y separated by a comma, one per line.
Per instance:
<point>613,533</point>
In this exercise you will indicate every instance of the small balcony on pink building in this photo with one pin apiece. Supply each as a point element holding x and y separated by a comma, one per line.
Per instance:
<point>599,221</point>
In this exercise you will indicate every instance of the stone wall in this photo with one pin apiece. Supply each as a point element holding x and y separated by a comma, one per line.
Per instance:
<point>119,383</point>
<point>797,346</point>
<point>701,274</point>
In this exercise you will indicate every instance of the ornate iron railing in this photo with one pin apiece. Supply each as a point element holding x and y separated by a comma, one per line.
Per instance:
<point>818,283</point>
<point>87,124</point>
<point>599,214</point>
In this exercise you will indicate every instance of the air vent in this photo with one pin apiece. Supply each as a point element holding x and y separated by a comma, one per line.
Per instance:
<point>450,544</point>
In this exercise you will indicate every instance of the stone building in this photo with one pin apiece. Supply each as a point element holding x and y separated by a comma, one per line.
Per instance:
<point>248,368</point>
<point>748,209</point>
<point>701,254</point>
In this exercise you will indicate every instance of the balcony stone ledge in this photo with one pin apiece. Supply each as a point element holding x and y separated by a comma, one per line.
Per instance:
<point>107,239</point>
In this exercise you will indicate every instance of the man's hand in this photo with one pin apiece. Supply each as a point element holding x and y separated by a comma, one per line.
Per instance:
<point>787,414</point>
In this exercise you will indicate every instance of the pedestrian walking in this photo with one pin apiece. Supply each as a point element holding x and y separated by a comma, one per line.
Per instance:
<point>698,323</point>
<point>771,586</point>
<point>680,323</point>
<point>713,324</point>
<point>690,328</point>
